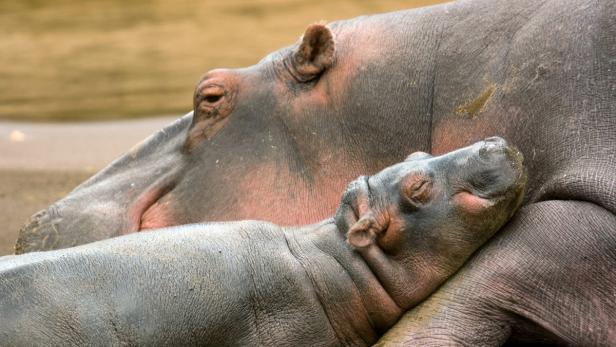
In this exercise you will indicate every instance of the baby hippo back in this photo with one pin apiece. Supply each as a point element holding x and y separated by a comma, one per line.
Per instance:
<point>213,284</point>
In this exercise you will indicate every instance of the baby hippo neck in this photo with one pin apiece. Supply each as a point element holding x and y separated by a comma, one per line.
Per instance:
<point>356,303</point>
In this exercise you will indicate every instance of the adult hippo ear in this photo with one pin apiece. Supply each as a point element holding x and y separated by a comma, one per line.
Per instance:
<point>314,55</point>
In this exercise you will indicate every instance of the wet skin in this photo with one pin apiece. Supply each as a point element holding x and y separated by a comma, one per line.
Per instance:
<point>279,140</point>
<point>396,236</point>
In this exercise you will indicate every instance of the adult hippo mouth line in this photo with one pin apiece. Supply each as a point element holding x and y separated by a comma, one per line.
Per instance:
<point>147,212</point>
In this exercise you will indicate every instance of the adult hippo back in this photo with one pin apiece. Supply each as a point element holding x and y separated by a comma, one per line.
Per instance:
<point>278,141</point>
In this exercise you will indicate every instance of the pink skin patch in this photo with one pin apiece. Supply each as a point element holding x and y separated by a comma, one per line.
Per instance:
<point>157,215</point>
<point>472,203</point>
<point>147,206</point>
<point>265,194</point>
<point>273,193</point>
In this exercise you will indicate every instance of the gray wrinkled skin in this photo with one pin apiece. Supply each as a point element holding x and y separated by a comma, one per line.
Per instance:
<point>538,73</point>
<point>255,283</point>
<point>555,287</point>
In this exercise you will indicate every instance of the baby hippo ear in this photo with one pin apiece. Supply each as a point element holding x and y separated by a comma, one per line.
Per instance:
<point>363,233</point>
<point>315,54</point>
<point>418,156</point>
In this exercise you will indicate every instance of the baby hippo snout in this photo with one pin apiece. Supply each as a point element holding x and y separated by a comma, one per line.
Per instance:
<point>491,168</point>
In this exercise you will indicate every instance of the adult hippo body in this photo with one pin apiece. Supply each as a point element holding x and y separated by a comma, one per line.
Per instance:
<point>278,140</point>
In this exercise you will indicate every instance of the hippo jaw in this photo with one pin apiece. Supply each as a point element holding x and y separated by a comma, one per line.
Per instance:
<point>60,227</point>
<point>112,202</point>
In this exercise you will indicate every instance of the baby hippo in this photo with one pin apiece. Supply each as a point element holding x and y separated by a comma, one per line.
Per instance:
<point>396,236</point>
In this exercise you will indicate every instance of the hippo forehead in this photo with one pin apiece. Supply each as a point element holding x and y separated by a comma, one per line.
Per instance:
<point>431,167</point>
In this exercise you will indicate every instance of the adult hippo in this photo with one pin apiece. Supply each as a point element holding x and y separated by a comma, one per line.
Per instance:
<point>278,140</point>
<point>396,236</point>
<point>352,97</point>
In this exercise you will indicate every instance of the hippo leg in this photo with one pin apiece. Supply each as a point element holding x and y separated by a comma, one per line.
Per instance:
<point>555,285</point>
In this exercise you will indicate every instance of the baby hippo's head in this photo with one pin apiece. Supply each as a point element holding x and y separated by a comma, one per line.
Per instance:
<point>416,222</point>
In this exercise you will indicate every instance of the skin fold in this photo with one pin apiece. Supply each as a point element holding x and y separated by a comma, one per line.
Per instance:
<point>397,235</point>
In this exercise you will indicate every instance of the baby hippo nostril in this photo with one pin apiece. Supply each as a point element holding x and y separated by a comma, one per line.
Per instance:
<point>496,139</point>
<point>492,146</point>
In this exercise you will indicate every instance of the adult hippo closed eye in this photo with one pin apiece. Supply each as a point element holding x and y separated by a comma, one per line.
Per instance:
<point>278,140</point>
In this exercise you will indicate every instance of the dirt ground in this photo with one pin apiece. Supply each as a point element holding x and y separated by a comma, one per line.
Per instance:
<point>23,192</point>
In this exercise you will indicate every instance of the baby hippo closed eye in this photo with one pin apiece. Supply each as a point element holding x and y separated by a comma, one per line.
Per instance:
<point>396,236</point>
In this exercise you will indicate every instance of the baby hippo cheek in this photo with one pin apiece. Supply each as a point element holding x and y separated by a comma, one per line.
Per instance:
<point>472,204</point>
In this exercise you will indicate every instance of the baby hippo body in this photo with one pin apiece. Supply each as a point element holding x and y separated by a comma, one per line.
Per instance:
<point>396,236</point>
<point>235,283</point>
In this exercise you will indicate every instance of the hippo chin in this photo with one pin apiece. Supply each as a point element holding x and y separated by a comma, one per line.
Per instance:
<point>396,236</point>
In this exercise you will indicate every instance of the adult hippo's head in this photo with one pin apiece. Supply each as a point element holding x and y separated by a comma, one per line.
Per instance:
<point>276,141</point>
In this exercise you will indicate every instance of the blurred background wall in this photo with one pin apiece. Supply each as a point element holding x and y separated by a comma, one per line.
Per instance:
<point>67,61</point>
<point>96,59</point>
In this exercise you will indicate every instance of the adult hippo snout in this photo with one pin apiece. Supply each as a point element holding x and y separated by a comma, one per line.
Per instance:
<point>112,202</point>
<point>79,219</point>
<point>56,227</point>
